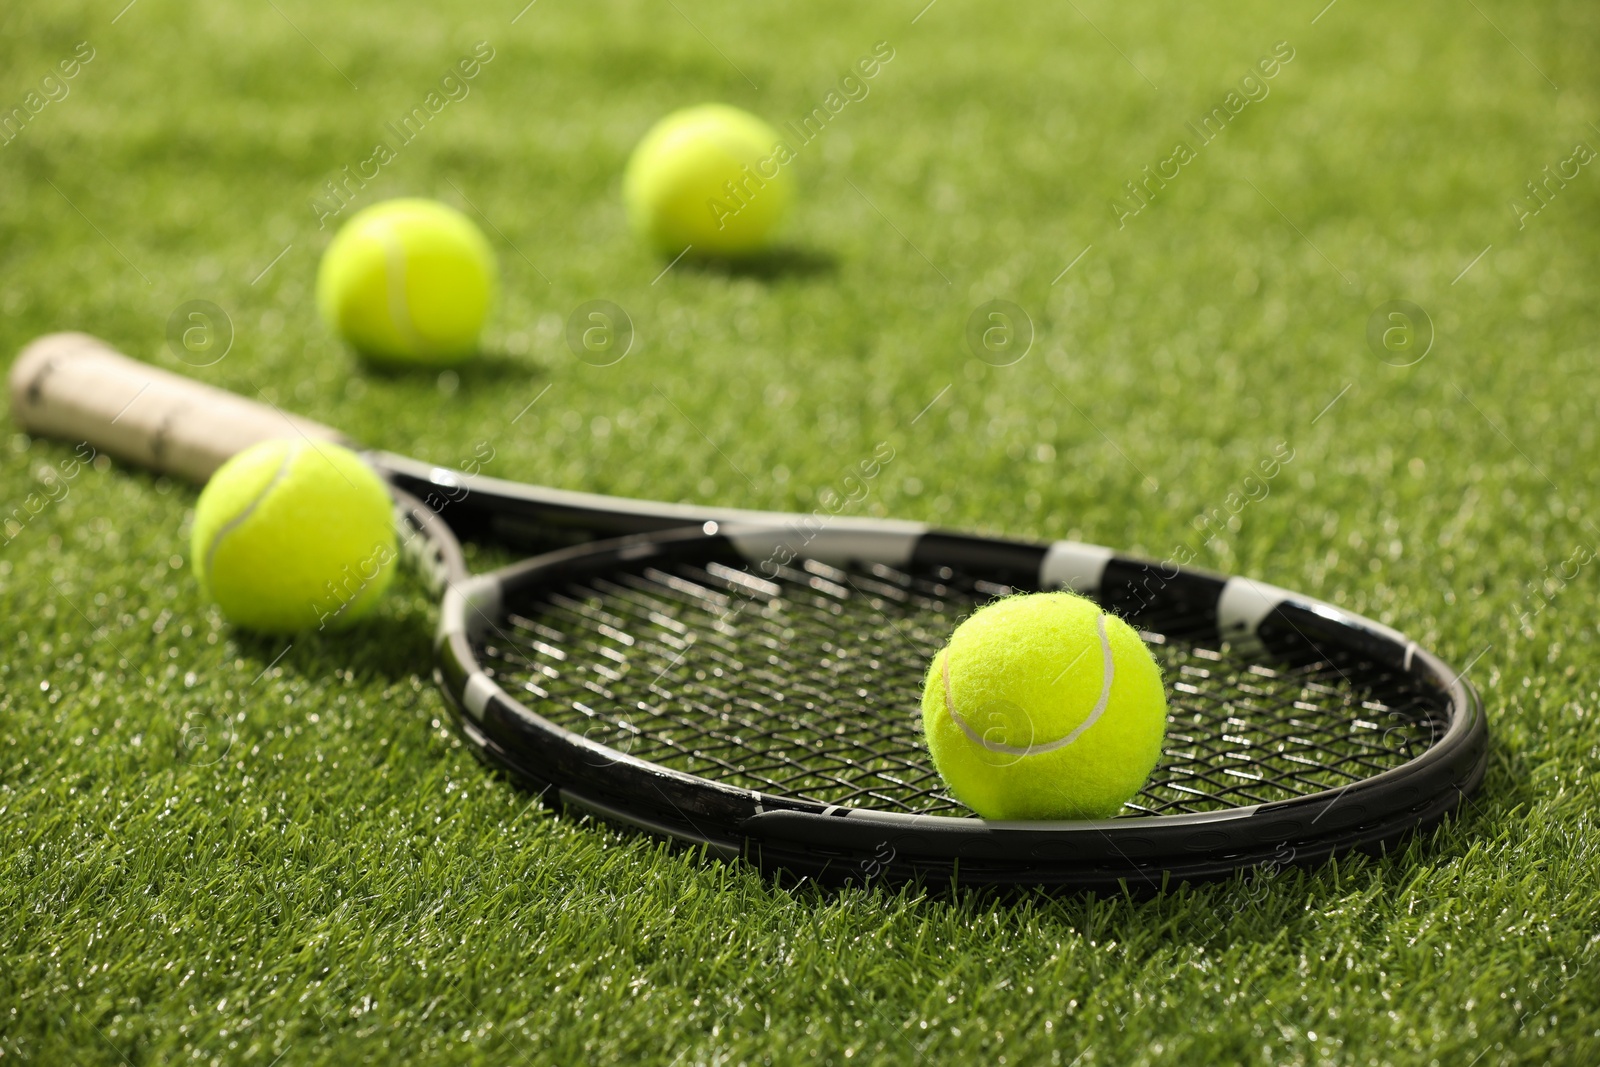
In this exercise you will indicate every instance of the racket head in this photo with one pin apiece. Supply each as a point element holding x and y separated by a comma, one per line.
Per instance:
<point>756,691</point>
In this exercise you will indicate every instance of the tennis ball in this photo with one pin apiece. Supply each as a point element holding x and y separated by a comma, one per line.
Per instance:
<point>709,178</point>
<point>289,535</point>
<point>408,282</point>
<point>1042,706</point>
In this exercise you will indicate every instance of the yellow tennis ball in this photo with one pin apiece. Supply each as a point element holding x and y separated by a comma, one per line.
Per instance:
<point>712,179</point>
<point>1042,706</point>
<point>290,535</point>
<point>408,282</point>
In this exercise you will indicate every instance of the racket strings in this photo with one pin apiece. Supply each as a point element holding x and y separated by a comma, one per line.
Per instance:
<point>1260,734</point>
<point>807,685</point>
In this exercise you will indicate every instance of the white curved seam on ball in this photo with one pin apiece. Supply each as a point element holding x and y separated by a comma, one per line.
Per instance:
<point>1050,746</point>
<point>394,279</point>
<point>243,516</point>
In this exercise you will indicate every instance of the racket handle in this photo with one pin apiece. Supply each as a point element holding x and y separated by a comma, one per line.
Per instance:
<point>75,387</point>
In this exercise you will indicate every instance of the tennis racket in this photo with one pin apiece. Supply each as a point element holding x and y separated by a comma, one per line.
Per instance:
<point>749,681</point>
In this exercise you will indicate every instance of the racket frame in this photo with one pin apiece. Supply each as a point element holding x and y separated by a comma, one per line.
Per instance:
<point>836,843</point>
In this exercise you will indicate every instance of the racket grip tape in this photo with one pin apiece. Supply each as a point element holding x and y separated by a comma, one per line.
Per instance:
<point>74,387</point>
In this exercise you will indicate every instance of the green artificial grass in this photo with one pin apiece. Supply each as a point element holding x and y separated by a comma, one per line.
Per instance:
<point>217,848</point>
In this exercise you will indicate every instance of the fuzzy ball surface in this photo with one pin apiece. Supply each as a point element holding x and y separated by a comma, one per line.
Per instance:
<point>711,179</point>
<point>1042,706</point>
<point>293,536</point>
<point>408,282</point>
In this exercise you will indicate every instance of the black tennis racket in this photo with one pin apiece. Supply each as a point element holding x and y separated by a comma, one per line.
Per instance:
<point>749,681</point>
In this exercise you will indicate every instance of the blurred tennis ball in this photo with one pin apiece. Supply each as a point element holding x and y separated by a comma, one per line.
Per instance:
<point>1044,707</point>
<point>408,282</point>
<point>711,178</point>
<point>289,535</point>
